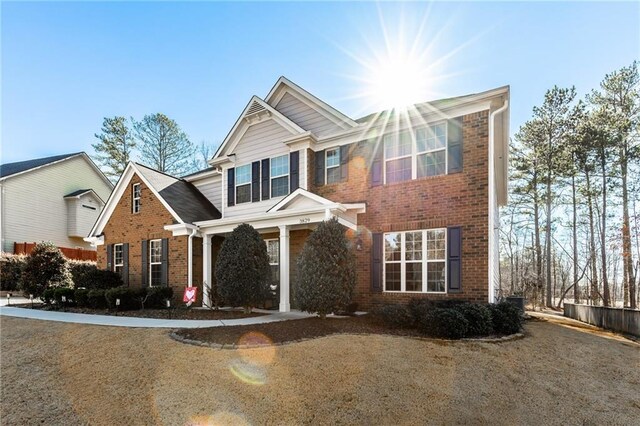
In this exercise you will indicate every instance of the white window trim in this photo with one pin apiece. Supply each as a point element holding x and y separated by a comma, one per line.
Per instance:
<point>115,258</point>
<point>134,198</point>
<point>236,186</point>
<point>414,150</point>
<point>151,263</point>
<point>403,263</point>
<point>326,168</point>
<point>272,177</point>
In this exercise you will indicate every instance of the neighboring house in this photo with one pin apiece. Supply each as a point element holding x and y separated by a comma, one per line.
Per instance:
<point>55,199</point>
<point>417,191</point>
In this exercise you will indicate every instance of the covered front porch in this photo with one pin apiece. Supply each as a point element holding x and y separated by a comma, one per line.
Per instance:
<point>282,225</point>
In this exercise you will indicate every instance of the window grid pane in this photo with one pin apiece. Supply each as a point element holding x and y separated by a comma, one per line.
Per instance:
<point>243,194</point>
<point>398,170</point>
<point>413,281</point>
<point>397,145</point>
<point>432,164</point>
<point>392,249</point>
<point>333,158</point>
<point>280,186</point>
<point>280,166</point>
<point>333,175</point>
<point>117,254</point>
<point>435,276</point>
<point>392,277</point>
<point>273,250</point>
<point>243,174</point>
<point>155,251</point>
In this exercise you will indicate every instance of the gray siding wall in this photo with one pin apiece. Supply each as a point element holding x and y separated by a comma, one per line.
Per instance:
<point>33,207</point>
<point>306,117</point>
<point>211,187</point>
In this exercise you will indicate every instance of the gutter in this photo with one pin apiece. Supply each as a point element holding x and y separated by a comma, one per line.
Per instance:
<point>492,195</point>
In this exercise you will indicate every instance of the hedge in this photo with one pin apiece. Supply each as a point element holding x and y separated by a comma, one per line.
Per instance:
<point>11,267</point>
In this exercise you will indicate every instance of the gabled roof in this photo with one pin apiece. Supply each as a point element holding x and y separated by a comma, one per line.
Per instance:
<point>82,192</point>
<point>183,200</point>
<point>284,84</point>
<point>9,170</point>
<point>255,108</point>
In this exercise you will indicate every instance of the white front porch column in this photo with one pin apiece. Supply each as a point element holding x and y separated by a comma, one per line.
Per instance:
<point>206,270</point>
<point>284,269</point>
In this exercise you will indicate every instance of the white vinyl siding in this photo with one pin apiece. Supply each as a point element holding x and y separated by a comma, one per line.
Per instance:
<point>33,207</point>
<point>82,213</point>
<point>211,187</point>
<point>306,117</point>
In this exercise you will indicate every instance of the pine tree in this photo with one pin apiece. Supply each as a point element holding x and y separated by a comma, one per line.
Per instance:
<point>115,146</point>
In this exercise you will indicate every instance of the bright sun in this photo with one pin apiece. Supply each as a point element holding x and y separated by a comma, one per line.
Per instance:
<point>397,82</point>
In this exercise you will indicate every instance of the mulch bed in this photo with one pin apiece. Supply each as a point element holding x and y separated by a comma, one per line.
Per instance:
<point>175,313</point>
<point>292,330</point>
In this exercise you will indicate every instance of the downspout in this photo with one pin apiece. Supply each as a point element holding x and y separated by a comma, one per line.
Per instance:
<point>492,197</point>
<point>194,231</point>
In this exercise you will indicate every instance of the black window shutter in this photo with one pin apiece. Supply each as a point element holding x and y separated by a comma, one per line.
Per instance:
<point>454,259</point>
<point>376,165</point>
<point>125,263</point>
<point>164,272</point>
<point>376,263</point>
<point>255,181</point>
<point>110,257</point>
<point>455,145</point>
<point>319,168</point>
<point>344,162</point>
<point>145,263</point>
<point>231,187</point>
<point>294,171</point>
<point>266,182</point>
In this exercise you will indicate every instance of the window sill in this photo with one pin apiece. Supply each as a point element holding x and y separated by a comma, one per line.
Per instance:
<point>413,292</point>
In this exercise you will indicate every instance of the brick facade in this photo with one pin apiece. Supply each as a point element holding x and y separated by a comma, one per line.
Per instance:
<point>127,227</point>
<point>459,199</point>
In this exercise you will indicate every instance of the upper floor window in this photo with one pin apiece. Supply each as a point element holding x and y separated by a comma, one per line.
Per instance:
<point>332,165</point>
<point>243,184</point>
<point>118,258</point>
<point>155,262</point>
<point>413,154</point>
<point>136,192</point>
<point>414,261</point>
<point>280,176</point>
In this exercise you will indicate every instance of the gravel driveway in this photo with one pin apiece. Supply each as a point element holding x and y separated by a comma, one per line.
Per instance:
<point>60,373</point>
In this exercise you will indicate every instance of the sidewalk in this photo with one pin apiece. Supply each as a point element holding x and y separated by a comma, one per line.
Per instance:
<point>115,321</point>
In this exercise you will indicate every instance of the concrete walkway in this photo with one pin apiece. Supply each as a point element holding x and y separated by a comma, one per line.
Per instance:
<point>122,321</point>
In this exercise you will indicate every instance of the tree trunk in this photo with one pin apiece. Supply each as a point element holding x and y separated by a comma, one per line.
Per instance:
<point>629,296</point>
<point>606,297</point>
<point>592,242</point>
<point>547,236</point>
<point>576,288</point>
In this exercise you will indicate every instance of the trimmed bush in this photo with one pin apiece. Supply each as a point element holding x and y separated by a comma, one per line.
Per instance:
<point>506,318</point>
<point>129,298</point>
<point>81,297</point>
<point>67,293</point>
<point>157,296</point>
<point>326,270</point>
<point>79,269</point>
<point>398,316</point>
<point>448,323</point>
<point>47,296</point>
<point>242,271</point>
<point>11,267</point>
<point>96,299</point>
<point>479,318</point>
<point>45,267</point>
<point>100,279</point>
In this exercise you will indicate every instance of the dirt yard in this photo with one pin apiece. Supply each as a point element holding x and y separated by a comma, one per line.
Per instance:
<point>55,373</point>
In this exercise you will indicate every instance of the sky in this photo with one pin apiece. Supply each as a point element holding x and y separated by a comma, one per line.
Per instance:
<point>66,66</point>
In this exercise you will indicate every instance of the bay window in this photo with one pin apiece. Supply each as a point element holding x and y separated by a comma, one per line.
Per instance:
<point>414,261</point>
<point>243,184</point>
<point>280,176</point>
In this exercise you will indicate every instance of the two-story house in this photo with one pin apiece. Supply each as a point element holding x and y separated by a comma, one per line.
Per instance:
<point>417,190</point>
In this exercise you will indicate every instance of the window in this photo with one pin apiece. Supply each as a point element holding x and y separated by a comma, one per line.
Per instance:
<point>280,176</point>
<point>136,192</point>
<point>155,262</point>
<point>332,162</point>
<point>410,155</point>
<point>243,184</point>
<point>118,258</point>
<point>273,250</point>
<point>414,261</point>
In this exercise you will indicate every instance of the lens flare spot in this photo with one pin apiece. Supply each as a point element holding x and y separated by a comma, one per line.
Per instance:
<point>249,373</point>
<point>256,348</point>
<point>223,418</point>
